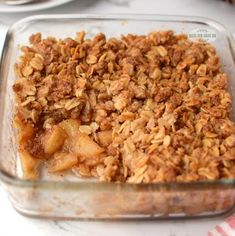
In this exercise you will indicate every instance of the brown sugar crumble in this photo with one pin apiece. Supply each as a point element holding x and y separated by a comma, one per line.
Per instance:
<point>150,108</point>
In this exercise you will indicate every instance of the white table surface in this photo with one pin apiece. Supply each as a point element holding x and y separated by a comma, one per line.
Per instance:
<point>14,224</point>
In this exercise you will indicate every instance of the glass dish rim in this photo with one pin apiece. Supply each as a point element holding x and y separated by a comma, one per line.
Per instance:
<point>9,179</point>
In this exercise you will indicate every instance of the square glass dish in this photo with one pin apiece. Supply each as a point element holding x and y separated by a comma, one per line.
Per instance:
<point>89,199</point>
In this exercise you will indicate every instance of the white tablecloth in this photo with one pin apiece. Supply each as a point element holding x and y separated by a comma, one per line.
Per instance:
<point>11,223</point>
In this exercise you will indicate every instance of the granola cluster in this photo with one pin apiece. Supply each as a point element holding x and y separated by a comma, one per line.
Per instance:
<point>149,108</point>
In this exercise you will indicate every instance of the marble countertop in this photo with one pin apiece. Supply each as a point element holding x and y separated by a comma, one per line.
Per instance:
<point>12,223</point>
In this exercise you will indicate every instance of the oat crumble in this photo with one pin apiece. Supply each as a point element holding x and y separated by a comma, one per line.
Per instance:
<point>142,108</point>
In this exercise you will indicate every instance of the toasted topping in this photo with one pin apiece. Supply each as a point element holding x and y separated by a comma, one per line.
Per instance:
<point>150,108</point>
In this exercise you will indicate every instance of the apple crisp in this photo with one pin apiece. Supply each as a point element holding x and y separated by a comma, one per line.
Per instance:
<point>142,108</point>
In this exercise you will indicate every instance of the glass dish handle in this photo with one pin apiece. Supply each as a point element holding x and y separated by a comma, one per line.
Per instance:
<point>233,45</point>
<point>3,32</point>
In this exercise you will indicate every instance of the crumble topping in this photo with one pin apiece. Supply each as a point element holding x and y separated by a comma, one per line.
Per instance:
<point>142,108</point>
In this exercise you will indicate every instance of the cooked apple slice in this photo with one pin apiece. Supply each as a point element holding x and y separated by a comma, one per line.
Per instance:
<point>29,165</point>
<point>105,137</point>
<point>70,126</point>
<point>85,147</point>
<point>63,161</point>
<point>28,162</point>
<point>53,140</point>
<point>26,132</point>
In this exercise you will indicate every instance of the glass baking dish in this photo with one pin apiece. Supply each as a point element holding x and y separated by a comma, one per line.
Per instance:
<point>89,199</point>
